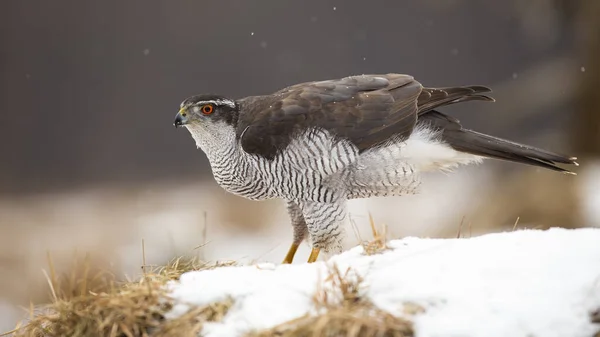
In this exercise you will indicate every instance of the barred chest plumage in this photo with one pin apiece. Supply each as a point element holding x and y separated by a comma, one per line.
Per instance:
<point>257,178</point>
<point>292,175</point>
<point>237,175</point>
<point>310,168</point>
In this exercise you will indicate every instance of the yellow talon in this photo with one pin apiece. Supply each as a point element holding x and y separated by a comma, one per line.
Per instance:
<point>314,254</point>
<point>290,254</point>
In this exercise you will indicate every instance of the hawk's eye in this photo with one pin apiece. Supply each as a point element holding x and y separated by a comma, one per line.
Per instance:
<point>207,109</point>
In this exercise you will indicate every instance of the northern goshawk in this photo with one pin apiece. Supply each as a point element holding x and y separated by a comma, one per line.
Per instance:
<point>318,144</point>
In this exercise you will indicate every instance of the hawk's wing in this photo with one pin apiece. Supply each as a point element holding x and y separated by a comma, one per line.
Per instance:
<point>366,110</point>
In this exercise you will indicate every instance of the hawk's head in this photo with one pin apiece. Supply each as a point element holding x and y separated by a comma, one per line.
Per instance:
<point>203,109</point>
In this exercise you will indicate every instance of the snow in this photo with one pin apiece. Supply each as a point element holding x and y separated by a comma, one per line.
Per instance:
<point>521,283</point>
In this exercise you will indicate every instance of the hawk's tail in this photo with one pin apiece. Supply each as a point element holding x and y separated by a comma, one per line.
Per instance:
<point>480,144</point>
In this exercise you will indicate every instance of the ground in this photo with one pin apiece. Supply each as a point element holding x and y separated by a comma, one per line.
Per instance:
<point>518,283</point>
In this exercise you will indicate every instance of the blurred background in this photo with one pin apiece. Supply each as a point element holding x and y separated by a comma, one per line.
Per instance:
<point>90,163</point>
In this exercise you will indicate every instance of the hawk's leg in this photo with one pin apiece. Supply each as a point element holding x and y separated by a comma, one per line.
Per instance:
<point>324,221</point>
<point>300,229</point>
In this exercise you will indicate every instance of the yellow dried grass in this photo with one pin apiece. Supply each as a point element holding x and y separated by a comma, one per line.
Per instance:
<point>129,309</point>
<point>342,310</point>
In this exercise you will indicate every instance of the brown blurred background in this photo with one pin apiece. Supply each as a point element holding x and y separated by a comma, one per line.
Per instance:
<point>90,162</point>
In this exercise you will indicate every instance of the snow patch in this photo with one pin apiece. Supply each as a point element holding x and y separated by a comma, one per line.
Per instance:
<point>523,283</point>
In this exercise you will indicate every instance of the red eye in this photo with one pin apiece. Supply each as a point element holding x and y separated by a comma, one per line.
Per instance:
<point>207,109</point>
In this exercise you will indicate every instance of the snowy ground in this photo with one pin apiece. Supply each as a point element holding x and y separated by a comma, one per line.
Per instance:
<point>522,283</point>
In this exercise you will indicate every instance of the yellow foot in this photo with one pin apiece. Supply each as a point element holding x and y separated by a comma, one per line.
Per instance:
<point>290,255</point>
<point>314,254</point>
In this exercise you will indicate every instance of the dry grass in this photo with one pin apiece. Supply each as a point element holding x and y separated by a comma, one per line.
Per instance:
<point>595,316</point>
<point>342,310</point>
<point>127,309</point>
<point>378,244</point>
<point>139,308</point>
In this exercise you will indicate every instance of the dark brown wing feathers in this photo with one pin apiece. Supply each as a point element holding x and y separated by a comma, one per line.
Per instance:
<point>366,110</point>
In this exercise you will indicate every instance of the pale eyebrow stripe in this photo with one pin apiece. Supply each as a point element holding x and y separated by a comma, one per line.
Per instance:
<point>227,102</point>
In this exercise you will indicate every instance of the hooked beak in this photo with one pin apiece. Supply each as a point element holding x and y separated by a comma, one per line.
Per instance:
<point>180,119</point>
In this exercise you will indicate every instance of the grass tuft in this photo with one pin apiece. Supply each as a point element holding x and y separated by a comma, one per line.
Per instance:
<point>121,310</point>
<point>378,244</point>
<point>595,316</point>
<point>342,310</point>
